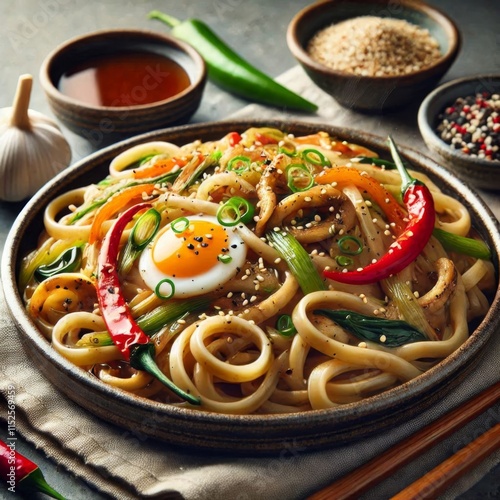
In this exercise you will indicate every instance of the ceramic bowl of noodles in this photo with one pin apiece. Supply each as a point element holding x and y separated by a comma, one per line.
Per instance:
<point>239,299</point>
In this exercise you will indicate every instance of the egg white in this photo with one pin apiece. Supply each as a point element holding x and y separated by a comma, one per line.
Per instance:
<point>203,283</point>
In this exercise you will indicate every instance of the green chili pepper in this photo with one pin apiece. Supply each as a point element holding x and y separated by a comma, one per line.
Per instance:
<point>67,262</point>
<point>230,71</point>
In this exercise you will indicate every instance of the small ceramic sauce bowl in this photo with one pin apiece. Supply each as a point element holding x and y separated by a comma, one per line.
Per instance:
<point>482,173</point>
<point>373,93</point>
<point>134,110</point>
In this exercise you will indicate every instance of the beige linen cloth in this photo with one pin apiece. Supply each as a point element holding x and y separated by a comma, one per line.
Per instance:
<point>128,466</point>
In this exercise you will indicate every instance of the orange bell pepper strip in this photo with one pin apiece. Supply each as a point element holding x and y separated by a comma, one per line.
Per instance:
<point>114,204</point>
<point>159,167</point>
<point>343,176</point>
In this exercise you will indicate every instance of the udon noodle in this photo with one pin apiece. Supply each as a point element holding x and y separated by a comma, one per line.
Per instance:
<point>243,331</point>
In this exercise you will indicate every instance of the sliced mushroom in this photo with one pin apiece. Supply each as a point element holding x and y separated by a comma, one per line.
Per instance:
<point>266,190</point>
<point>338,211</point>
<point>437,297</point>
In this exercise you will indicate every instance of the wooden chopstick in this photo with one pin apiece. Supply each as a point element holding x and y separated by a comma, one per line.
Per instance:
<point>438,479</point>
<point>381,467</point>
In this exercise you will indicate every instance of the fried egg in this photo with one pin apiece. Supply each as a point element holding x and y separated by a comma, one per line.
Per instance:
<point>192,256</point>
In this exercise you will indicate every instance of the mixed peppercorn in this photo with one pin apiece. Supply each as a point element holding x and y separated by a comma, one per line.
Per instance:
<point>472,124</point>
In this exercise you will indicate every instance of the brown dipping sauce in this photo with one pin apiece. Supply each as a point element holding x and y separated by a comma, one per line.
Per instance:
<point>127,79</point>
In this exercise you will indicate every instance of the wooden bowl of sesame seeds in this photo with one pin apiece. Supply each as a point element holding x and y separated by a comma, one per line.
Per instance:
<point>374,55</point>
<point>460,122</point>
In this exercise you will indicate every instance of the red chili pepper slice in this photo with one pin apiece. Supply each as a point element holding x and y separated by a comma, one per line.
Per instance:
<point>18,471</point>
<point>233,138</point>
<point>133,343</point>
<point>410,243</point>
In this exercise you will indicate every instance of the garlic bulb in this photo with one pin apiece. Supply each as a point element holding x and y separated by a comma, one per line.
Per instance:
<point>32,148</point>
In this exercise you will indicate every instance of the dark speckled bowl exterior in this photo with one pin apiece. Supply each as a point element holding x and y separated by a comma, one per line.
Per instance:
<point>254,434</point>
<point>105,124</point>
<point>480,173</point>
<point>365,93</point>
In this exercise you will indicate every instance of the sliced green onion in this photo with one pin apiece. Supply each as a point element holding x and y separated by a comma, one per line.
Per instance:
<point>224,258</point>
<point>387,332</point>
<point>143,232</point>
<point>234,211</point>
<point>179,225</point>
<point>164,314</point>
<point>298,260</point>
<point>190,175</point>
<point>343,261</point>
<point>145,229</point>
<point>67,262</point>
<point>298,177</point>
<point>285,326</point>
<point>161,284</point>
<point>95,339</point>
<point>315,157</point>
<point>288,148</point>
<point>346,247</point>
<point>239,164</point>
<point>461,244</point>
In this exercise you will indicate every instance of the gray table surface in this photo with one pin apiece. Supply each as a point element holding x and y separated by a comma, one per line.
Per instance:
<point>32,28</point>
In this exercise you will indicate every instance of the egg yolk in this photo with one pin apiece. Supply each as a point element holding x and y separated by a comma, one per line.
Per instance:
<point>192,252</point>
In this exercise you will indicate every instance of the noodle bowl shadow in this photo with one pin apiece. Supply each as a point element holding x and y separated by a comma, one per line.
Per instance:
<point>249,434</point>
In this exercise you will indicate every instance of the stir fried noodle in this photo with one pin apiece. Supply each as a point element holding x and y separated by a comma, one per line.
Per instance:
<point>222,268</point>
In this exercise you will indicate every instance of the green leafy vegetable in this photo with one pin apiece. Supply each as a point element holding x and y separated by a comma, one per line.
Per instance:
<point>67,262</point>
<point>379,162</point>
<point>387,332</point>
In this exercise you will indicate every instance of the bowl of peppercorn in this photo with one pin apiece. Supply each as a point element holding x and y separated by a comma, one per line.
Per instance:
<point>460,122</point>
<point>374,56</point>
